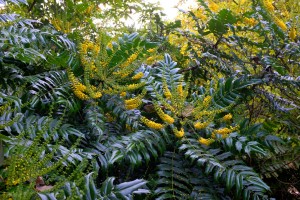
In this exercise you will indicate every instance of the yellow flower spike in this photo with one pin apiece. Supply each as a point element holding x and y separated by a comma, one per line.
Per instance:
<point>280,23</point>
<point>135,86</point>
<point>97,95</point>
<point>165,117</point>
<point>79,86</point>
<point>227,117</point>
<point>150,60</point>
<point>81,95</point>
<point>293,34</point>
<point>180,90</point>
<point>213,6</point>
<point>177,133</point>
<point>207,101</point>
<point>132,103</point>
<point>132,106</point>
<point>131,58</point>
<point>151,50</point>
<point>138,76</point>
<point>206,142</point>
<point>168,119</point>
<point>151,124</point>
<point>199,125</point>
<point>183,49</point>
<point>123,94</point>
<point>268,5</point>
<point>250,21</point>
<point>167,93</point>
<point>223,131</point>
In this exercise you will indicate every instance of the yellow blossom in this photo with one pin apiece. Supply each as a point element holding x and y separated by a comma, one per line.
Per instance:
<point>150,60</point>
<point>168,119</point>
<point>132,103</point>
<point>180,90</point>
<point>109,45</point>
<point>131,58</point>
<point>96,95</point>
<point>207,101</point>
<point>280,23</point>
<point>293,34</point>
<point>177,133</point>
<point>134,86</point>
<point>165,117</point>
<point>213,6</point>
<point>206,142</point>
<point>138,76</point>
<point>81,95</point>
<point>199,14</point>
<point>199,125</point>
<point>183,49</point>
<point>132,106</point>
<point>223,131</point>
<point>250,21</point>
<point>151,124</point>
<point>167,92</point>
<point>123,94</point>
<point>151,50</point>
<point>227,117</point>
<point>268,5</point>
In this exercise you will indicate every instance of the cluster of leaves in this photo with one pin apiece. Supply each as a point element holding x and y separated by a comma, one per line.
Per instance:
<point>222,131</point>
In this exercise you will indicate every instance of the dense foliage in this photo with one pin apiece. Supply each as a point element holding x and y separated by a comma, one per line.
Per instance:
<point>204,107</point>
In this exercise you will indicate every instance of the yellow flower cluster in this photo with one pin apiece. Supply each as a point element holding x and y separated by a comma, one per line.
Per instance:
<point>138,76</point>
<point>132,103</point>
<point>60,25</point>
<point>122,73</point>
<point>268,5</point>
<point>227,117</point>
<point>95,95</point>
<point>178,133</point>
<point>199,125</point>
<point>87,45</point>
<point>206,142</point>
<point>207,101</point>
<point>224,131</point>
<point>135,86</point>
<point>293,33</point>
<point>151,124</point>
<point>280,23</point>
<point>180,90</point>
<point>250,21</point>
<point>199,13</point>
<point>165,117</point>
<point>123,94</point>
<point>167,92</point>
<point>150,60</point>
<point>151,50</point>
<point>183,49</point>
<point>78,88</point>
<point>213,6</point>
<point>130,60</point>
